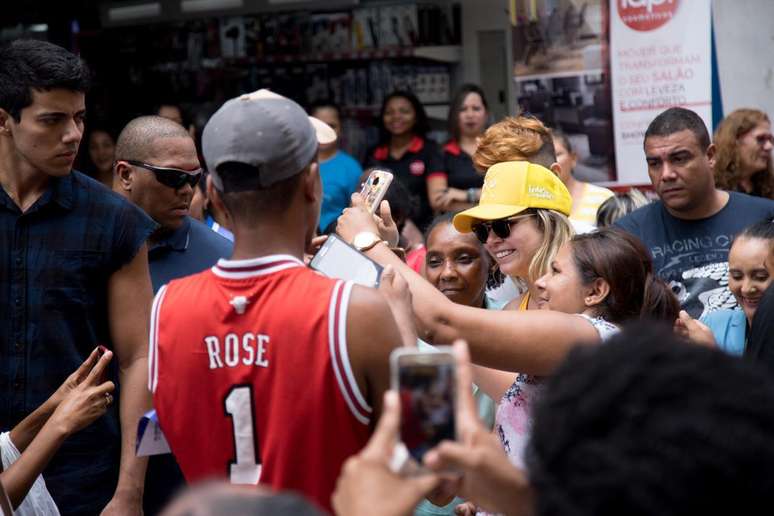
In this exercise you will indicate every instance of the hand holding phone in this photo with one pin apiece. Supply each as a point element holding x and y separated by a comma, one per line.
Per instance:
<point>426,385</point>
<point>375,188</point>
<point>338,259</point>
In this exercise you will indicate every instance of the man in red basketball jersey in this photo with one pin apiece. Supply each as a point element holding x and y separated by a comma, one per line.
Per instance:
<point>263,370</point>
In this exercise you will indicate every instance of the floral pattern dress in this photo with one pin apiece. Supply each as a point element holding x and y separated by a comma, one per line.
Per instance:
<point>513,419</point>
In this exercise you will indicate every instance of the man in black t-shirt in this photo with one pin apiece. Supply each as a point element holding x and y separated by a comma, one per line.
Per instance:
<point>690,229</point>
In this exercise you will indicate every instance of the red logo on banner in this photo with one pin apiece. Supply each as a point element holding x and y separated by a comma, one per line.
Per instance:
<point>645,15</point>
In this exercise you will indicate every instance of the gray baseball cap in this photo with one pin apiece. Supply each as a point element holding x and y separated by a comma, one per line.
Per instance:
<point>264,130</point>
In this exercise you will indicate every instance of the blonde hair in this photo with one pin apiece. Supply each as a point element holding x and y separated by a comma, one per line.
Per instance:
<point>515,139</point>
<point>619,205</point>
<point>557,230</point>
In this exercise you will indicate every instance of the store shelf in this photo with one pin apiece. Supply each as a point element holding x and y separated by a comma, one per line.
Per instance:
<point>444,54</point>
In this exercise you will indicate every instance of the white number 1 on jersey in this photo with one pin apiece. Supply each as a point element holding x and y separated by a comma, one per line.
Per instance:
<point>246,469</point>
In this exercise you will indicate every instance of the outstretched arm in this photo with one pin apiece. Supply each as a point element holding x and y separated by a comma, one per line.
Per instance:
<point>530,342</point>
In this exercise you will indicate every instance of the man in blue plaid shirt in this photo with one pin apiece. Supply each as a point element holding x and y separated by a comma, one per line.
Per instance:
<point>73,275</point>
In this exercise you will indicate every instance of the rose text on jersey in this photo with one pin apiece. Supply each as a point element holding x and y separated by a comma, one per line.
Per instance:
<point>250,350</point>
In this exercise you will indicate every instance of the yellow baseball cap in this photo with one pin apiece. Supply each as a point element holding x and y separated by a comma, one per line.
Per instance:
<point>512,187</point>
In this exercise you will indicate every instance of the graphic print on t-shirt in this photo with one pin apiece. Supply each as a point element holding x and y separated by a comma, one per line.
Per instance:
<point>692,255</point>
<point>696,269</point>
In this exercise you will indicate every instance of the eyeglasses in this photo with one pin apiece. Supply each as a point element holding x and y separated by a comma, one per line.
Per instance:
<point>762,139</point>
<point>501,227</point>
<point>171,177</point>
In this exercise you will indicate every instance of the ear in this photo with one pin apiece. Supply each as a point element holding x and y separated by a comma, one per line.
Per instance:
<point>556,168</point>
<point>214,197</point>
<point>711,155</point>
<point>596,293</point>
<point>312,182</point>
<point>5,122</point>
<point>123,178</point>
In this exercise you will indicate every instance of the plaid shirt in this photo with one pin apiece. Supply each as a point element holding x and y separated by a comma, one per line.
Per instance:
<point>55,262</point>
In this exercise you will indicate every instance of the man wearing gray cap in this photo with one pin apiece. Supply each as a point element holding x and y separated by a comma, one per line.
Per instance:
<point>262,369</point>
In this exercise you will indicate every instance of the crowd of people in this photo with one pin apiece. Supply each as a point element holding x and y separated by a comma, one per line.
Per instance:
<point>614,352</point>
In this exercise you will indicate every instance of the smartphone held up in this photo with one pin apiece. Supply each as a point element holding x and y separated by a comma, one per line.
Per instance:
<point>426,385</point>
<point>375,188</point>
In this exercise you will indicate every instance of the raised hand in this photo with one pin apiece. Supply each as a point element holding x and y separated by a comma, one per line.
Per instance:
<point>77,377</point>
<point>87,400</point>
<point>356,219</point>
<point>314,245</point>
<point>388,230</point>
<point>395,290</point>
<point>368,486</point>
<point>488,478</point>
<point>693,330</point>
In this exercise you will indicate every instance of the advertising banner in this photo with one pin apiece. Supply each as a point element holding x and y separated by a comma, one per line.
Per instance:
<point>659,58</point>
<point>561,76</point>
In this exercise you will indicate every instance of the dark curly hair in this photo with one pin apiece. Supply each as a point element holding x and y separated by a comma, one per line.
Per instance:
<point>651,425</point>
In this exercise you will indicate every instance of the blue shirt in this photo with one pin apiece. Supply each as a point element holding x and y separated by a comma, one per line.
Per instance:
<point>691,256</point>
<point>191,248</point>
<point>340,178</point>
<point>729,327</point>
<point>55,262</point>
<point>211,223</point>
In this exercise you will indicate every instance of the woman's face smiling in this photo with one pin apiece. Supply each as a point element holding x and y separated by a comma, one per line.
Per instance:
<point>561,288</point>
<point>456,265</point>
<point>514,253</point>
<point>399,116</point>
<point>750,272</point>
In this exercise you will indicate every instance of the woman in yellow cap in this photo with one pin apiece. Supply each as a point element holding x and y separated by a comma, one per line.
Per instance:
<point>522,222</point>
<point>527,230</point>
<point>594,283</point>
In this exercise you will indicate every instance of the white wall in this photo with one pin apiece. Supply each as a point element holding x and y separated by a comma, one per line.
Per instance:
<point>484,15</point>
<point>478,15</point>
<point>744,34</point>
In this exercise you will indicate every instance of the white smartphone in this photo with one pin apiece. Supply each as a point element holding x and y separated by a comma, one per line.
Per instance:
<point>375,188</point>
<point>338,259</point>
<point>426,384</point>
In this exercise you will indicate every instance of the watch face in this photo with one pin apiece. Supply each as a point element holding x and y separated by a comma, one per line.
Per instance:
<point>363,240</point>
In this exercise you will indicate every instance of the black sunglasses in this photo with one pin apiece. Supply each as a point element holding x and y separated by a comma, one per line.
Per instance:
<point>171,177</point>
<point>763,139</point>
<point>501,227</point>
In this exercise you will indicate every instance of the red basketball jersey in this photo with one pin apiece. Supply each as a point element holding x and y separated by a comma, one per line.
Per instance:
<point>251,377</point>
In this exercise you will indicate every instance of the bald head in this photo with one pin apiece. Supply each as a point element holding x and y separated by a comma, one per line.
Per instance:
<point>214,498</point>
<point>145,147</point>
<point>137,139</point>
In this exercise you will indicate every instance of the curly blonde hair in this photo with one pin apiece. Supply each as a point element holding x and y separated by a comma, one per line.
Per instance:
<point>728,158</point>
<point>518,138</point>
